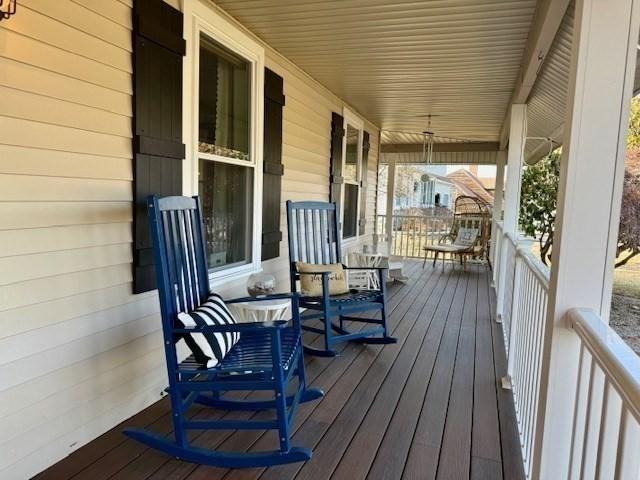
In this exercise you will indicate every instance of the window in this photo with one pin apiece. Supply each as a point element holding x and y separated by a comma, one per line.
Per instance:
<point>353,152</point>
<point>224,100</point>
<point>226,194</point>
<point>223,122</point>
<point>225,188</point>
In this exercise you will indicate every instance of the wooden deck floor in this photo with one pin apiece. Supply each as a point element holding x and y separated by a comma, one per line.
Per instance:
<point>428,407</point>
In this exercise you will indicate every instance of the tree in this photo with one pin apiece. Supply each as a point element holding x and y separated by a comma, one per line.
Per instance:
<point>540,189</point>
<point>629,232</point>
<point>538,202</point>
<point>633,135</point>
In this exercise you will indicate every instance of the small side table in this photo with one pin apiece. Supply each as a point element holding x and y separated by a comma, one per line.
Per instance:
<point>264,311</point>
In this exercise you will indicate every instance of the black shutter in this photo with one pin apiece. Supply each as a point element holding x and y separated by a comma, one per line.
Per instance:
<point>335,172</point>
<point>158,151</point>
<point>363,183</point>
<point>272,164</point>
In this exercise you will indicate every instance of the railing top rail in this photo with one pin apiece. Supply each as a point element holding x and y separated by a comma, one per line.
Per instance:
<point>512,238</point>
<point>396,215</point>
<point>619,363</point>
<point>536,266</point>
<point>540,270</point>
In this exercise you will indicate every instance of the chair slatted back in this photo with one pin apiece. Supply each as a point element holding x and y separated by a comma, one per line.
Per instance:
<point>313,235</point>
<point>179,253</point>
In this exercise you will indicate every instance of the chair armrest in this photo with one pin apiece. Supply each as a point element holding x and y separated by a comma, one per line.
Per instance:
<point>367,268</point>
<point>261,298</point>
<point>236,327</point>
<point>444,237</point>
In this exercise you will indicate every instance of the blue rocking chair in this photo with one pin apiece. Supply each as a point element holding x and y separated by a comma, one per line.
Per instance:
<point>314,238</point>
<point>267,357</point>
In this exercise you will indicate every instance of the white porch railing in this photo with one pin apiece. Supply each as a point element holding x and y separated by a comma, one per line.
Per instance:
<point>606,422</point>
<point>524,302</point>
<point>495,255</point>
<point>606,419</point>
<point>410,233</point>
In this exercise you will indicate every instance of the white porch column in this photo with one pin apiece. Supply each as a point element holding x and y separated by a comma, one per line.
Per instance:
<point>600,88</point>
<point>497,202</point>
<point>391,192</point>
<point>515,160</point>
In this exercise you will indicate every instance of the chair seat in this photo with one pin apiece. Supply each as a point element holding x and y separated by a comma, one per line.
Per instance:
<point>447,248</point>
<point>252,353</point>
<point>354,296</point>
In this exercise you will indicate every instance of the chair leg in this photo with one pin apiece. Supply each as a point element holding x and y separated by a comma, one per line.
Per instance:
<point>279,391</point>
<point>383,316</point>
<point>435,258</point>
<point>308,394</point>
<point>328,331</point>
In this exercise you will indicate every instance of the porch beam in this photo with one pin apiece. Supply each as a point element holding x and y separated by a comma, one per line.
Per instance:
<point>590,190</point>
<point>546,22</point>
<point>515,161</point>
<point>441,147</point>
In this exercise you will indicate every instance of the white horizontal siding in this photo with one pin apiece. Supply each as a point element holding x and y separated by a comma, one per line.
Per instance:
<point>78,352</point>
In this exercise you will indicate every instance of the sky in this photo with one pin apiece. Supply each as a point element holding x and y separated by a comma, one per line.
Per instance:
<point>483,170</point>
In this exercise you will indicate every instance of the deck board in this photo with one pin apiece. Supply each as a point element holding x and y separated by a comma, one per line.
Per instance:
<point>427,407</point>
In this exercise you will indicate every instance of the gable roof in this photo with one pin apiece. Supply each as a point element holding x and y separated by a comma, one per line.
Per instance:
<point>470,185</point>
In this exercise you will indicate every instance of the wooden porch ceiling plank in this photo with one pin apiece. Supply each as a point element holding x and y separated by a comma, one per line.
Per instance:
<point>441,338</point>
<point>455,459</point>
<point>329,451</point>
<point>240,441</point>
<point>320,373</point>
<point>512,466</point>
<point>404,384</point>
<point>485,441</point>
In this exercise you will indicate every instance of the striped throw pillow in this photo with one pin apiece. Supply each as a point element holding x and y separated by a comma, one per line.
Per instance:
<point>211,347</point>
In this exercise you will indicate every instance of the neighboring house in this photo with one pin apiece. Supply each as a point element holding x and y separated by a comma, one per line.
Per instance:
<point>469,184</point>
<point>427,190</point>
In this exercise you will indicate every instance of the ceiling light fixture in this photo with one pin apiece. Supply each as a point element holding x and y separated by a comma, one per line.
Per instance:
<point>427,143</point>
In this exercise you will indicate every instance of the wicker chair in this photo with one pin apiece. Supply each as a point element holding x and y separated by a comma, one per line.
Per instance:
<point>469,216</point>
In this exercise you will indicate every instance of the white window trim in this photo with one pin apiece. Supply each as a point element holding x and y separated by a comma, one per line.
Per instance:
<point>201,16</point>
<point>350,118</point>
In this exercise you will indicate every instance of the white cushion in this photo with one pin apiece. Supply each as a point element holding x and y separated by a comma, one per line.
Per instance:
<point>466,237</point>
<point>211,347</point>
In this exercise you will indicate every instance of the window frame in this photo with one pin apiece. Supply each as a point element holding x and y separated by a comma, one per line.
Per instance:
<point>350,118</point>
<point>201,17</point>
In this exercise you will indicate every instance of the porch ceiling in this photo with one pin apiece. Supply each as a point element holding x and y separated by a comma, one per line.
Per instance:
<point>397,61</point>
